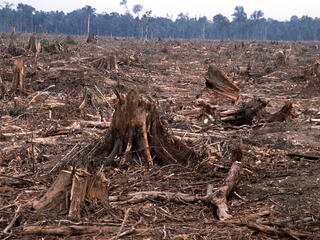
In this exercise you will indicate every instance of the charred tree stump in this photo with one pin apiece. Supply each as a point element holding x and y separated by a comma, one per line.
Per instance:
<point>18,76</point>
<point>219,83</point>
<point>136,127</point>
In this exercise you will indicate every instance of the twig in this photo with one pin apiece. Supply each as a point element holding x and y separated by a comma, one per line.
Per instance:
<point>14,219</point>
<point>123,223</point>
<point>61,161</point>
<point>39,93</point>
<point>132,230</point>
<point>109,105</point>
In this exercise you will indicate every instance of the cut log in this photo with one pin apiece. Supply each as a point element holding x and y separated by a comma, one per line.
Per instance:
<point>219,83</point>
<point>18,76</point>
<point>137,121</point>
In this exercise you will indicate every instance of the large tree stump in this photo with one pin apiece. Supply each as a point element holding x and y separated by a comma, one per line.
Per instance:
<point>136,127</point>
<point>219,83</point>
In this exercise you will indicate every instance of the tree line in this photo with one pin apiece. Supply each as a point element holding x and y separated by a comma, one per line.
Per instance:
<point>141,24</point>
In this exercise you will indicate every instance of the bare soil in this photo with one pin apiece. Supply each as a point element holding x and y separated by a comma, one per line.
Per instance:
<point>281,160</point>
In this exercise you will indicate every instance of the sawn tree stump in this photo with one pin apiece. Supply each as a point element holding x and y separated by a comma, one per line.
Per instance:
<point>136,128</point>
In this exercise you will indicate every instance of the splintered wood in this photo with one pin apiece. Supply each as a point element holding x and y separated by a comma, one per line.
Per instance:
<point>34,45</point>
<point>79,185</point>
<point>18,76</point>
<point>219,83</point>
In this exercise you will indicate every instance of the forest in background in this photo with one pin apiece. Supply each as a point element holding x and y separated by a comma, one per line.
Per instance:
<point>141,24</point>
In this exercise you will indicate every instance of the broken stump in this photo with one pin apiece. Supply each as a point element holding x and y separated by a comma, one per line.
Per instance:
<point>219,83</point>
<point>18,76</point>
<point>34,45</point>
<point>72,188</point>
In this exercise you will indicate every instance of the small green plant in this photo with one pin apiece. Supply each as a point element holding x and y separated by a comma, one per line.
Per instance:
<point>14,112</point>
<point>44,45</point>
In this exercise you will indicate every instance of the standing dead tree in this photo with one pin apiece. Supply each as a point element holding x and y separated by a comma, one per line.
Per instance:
<point>220,84</point>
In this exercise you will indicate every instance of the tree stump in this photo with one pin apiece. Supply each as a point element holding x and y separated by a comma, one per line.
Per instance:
<point>136,127</point>
<point>219,83</point>
<point>91,38</point>
<point>106,63</point>
<point>18,76</point>
<point>316,69</point>
<point>34,45</point>
<point>72,188</point>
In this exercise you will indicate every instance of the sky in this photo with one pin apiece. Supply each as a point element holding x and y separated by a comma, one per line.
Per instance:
<point>276,9</point>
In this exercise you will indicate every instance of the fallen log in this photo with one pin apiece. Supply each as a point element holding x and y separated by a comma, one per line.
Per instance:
<point>220,84</point>
<point>67,230</point>
<point>254,110</point>
<point>245,115</point>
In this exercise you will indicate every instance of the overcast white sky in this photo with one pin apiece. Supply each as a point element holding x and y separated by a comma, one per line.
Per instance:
<point>276,9</point>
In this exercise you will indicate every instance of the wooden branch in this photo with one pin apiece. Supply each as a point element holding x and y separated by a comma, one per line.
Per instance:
<point>126,215</point>
<point>273,231</point>
<point>14,219</point>
<point>217,198</point>
<point>67,230</point>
